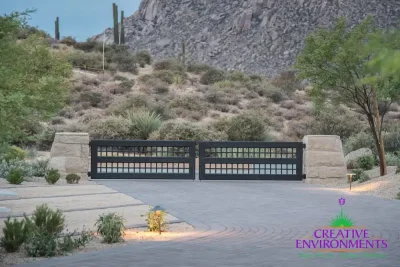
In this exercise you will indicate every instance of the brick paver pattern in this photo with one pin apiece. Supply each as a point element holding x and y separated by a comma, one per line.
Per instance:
<point>244,223</point>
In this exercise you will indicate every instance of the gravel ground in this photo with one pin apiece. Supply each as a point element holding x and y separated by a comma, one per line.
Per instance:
<point>387,186</point>
<point>176,230</point>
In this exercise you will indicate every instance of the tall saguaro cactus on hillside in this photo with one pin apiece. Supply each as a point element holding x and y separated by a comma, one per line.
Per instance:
<point>115,16</point>
<point>122,39</point>
<point>57,29</point>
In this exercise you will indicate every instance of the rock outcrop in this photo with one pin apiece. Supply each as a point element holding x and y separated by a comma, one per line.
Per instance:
<point>258,36</point>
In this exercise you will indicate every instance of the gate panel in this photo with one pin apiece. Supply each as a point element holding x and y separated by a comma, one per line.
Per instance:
<point>142,159</point>
<point>250,160</point>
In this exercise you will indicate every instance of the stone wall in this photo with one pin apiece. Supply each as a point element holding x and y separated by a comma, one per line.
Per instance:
<point>70,154</point>
<point>324,159</point>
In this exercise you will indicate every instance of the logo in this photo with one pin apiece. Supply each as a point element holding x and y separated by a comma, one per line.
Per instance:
<point>342,238</point>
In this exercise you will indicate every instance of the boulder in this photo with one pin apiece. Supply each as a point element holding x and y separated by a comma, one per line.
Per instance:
<point>352,157</point>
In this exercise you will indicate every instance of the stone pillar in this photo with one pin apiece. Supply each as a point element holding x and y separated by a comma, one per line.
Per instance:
<point>323,159</point>
<point>70,154</point>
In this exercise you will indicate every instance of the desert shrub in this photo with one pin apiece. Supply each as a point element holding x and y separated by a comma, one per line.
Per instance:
<point>161,88</point>
<point>39,167</point>
<point>183,130</point>
<point>124,59</point>
<point>335,121</point>
<point>72,178</point>
<point>68,40</point>
<point>6,167</point>
<point>156,223</point>
<point>70,243</point>
<point>214,96</point>
<point>124,87</point>
<point>143,57</point>
<point>143,123</point>
<point>13,153</point>
<point>134,101</point>
<point>366,162</point>
<point>288,104</point>
<point>255,78</point>
<point>85,46</point>
<point>111,128</point>
<point>15,176</point>
<point>110,227</point>
<point>392,159</point>
<point>357,141</point>
<point>15,234</point>
<point>189,102</point>
<point>67,112</point>
<point>57,120</point>
<point>90,116</point>
<point>276,95</point>
<point>166,76</point>
<point>360,175</point>
<point>120,78</point>
<point>392,139</point>
<point>288,81</point>
<point>237,76</point>
<point>198,68</point>
<point>169,64</point>
<point>52,176</point>
<point>246,127</point>
<point>398,196</point>
<point>81,60</point>
<point>94,98</point>
<point>225,84</point>
<point>212,76</point>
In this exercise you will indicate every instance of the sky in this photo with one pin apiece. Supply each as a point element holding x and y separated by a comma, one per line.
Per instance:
<point>80,19</point>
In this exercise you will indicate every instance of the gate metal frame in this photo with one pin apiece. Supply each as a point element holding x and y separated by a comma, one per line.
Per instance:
<point>187,157</point>
<point>207,159</point>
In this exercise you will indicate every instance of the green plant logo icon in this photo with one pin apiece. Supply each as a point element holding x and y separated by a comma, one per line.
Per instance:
<point>341,220</point>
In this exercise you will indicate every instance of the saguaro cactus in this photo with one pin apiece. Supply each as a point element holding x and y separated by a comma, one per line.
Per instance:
<point>122,39</point>
<point>57,29</point>
<point>115,16</point>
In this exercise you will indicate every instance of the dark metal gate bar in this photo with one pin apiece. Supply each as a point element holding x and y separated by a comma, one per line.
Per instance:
<point>142,159</point>
<point>250,160</point>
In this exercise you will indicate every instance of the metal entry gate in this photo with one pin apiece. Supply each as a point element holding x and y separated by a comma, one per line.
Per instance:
<point>142,159</point>
<point>251,160</point>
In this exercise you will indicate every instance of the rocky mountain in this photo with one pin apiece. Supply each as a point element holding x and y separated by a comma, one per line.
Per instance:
<point>258,36</point>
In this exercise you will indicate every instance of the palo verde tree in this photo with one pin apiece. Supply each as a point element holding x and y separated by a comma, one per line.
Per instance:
<point>352,67</point>
<point>34,80</point>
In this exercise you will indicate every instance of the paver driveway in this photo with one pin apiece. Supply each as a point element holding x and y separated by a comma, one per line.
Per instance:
<point>245,224</point>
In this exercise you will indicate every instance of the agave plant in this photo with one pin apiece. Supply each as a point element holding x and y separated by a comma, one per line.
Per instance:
<point>143,122</point>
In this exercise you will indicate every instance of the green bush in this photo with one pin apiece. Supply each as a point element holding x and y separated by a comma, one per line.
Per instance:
<point>85,46</point>
<point>52,176</point>
<point>392,159</point>
<point>276,95</point>
<point>110,227</point>
<point>189,102</point>
<point>72,178</point>
<point>15,234</point>
<point>46,239</point>
<point>198,68</point>
<point>161,88</point>
<point>366,162</point>
<point>392,139</point>
<point>15,176</point>
<point>246,127</point>
<point>155,222</point>
<point>111,128</point>
<point>143,57</point>
<point>14,153</point>
<point>6,167</point>
<point>360,175</point>
<point>143,123</point>
<point>39,167</point>
<point>68,40</point>
<point>357,141</point>
<point>124,59</point>
<point>212,76</point>
<point>46,138</point>
<point>81,60</point>
<point>335,121</point>
<point>237,76</point>
<point>166,76</point>
<point>169,64</point>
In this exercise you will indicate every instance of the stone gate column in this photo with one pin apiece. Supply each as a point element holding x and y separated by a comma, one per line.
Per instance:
<point>70,154</point>
<point>323,159</point>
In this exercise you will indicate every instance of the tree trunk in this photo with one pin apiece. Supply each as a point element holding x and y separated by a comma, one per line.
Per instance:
<point>378,133</point>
